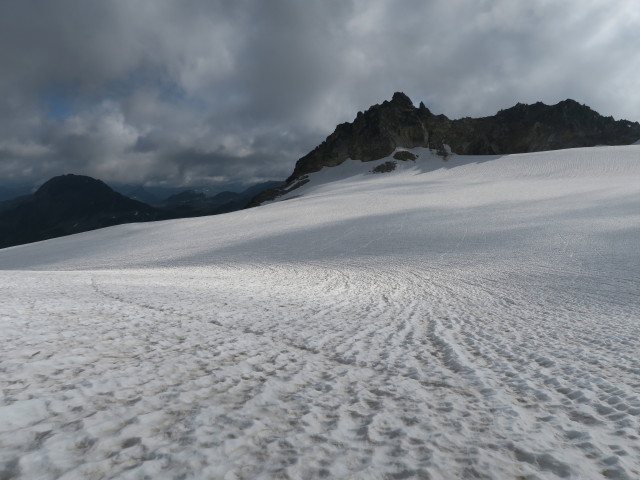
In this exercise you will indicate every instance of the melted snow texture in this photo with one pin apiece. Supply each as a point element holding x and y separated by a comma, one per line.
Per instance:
<point>477,318</point>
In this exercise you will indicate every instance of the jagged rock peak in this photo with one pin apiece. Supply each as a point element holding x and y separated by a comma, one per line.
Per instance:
<point>373,134</point>
<point>402,100</point>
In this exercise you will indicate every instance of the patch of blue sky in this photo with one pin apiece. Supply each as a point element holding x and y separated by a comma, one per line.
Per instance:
<point>58,103</point>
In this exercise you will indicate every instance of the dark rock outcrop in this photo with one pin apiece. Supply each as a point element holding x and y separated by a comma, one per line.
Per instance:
<point>385,167</point>
<point>404,155</point>
<point>377,132</point>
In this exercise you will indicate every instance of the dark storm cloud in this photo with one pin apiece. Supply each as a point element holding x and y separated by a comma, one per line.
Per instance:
<point>199,90</point>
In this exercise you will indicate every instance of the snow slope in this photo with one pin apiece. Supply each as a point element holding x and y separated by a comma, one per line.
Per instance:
<point>475,318</point>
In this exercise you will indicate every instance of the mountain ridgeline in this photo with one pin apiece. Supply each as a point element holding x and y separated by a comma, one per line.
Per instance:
<point>375,133</point>
<point>381,129</point>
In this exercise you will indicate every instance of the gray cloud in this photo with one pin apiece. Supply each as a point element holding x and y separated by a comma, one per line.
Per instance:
<point>196,90</point>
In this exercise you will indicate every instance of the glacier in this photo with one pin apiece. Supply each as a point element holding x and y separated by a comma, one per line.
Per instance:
<point>477,317</point>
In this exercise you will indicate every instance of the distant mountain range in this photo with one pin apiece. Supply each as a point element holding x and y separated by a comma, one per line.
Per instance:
<point>157,194</point>
<point>191,203</point>
<point>70,204</point>
<point>376,133</point>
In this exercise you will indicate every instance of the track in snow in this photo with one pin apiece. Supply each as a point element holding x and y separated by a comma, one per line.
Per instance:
<point>395,371</point>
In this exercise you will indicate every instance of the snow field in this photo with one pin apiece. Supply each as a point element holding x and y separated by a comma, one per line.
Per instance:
<point>474,319</point>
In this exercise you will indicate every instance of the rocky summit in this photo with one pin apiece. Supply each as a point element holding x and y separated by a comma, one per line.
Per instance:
<point>377,132</point>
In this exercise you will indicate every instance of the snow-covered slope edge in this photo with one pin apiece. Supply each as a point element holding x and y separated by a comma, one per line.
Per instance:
<point>419,209</point>
<point>464,319</point>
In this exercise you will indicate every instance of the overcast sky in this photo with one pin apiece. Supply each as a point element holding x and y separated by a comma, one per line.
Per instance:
<point>198,91</point>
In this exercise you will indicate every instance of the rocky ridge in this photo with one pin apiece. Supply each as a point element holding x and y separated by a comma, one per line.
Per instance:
<point>377,132</point>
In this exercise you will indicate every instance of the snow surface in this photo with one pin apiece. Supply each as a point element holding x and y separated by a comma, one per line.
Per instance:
<point>475,318</point>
